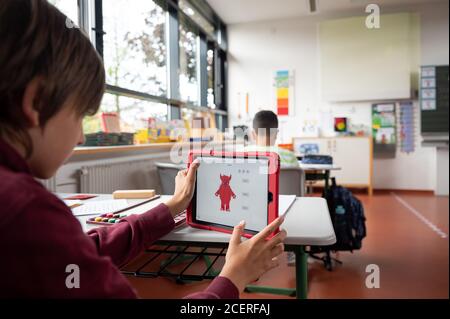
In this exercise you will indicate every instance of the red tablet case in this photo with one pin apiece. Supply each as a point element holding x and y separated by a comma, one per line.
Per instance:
<point>274,169</point>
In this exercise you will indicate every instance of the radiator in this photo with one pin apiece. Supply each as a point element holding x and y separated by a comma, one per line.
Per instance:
<point>107,178</point>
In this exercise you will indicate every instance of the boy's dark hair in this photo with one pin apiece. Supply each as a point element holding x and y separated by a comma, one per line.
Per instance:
<point>38,41</point>
<point>265,120</point>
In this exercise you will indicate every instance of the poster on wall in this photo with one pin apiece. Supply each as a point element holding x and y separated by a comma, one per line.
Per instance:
<point>340,124</point>
<point>383,120</point>
<point>384,130</point>
<point>284,89</point>
<point>428,88</point>
<point>407,130</point>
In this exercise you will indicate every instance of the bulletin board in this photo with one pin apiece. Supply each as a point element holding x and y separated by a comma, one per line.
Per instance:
<point>384,130</point>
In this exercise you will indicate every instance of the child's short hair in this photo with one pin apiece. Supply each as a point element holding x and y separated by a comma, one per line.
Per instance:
<point>265,120</point>
<point>36,41</point>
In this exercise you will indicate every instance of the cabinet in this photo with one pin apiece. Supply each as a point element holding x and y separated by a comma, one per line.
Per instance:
<point>354,155</point>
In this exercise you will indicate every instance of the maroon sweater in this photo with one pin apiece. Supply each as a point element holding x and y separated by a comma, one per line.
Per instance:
<point>39,238</point>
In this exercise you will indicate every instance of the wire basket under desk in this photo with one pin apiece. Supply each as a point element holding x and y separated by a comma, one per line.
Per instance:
<point>185,263</point>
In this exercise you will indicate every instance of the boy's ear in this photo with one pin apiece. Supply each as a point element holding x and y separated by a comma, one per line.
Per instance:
<point>29,101</point>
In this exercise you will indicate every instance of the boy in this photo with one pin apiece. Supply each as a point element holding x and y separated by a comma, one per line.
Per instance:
<point>50,78</point>
<point>265,132</point>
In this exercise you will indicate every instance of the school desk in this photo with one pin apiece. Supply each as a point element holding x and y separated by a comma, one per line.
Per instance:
<point>307,223</point>
<point>314,172</point>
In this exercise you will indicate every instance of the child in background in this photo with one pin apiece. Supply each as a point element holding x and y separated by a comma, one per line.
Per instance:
<point>265,133</point>
<point>50,78</point>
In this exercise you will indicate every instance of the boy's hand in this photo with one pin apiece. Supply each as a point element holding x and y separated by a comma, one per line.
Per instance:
<point>184,189</point>
<point>247,261</point>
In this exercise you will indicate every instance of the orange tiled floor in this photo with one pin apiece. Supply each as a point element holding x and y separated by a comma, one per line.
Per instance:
<point>413,259</point>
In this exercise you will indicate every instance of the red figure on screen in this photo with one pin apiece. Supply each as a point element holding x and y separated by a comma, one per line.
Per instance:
<point>225,193</point>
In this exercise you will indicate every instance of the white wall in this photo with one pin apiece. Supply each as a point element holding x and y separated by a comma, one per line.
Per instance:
<point>435,33</point>
<point>257,50</point>
<point>442,173</point>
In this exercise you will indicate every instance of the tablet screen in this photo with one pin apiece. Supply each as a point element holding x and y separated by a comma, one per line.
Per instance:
<point>230,190</point>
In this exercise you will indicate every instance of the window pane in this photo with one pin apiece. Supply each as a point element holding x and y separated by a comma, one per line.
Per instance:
<point>135,45</point>
<point>133,113</point>
<point>197,17</point>
<point>68,7</point>
<point>188,64</point>
<point>220,79</point>
<point>210,56</point>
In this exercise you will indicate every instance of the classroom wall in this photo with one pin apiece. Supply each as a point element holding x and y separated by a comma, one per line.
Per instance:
<point>257,50</point>
<point>442,172</point>
<point>435,33</point>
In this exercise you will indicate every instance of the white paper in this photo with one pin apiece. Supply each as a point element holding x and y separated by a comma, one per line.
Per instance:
<point>428,71</point>
<point>428,105</point>
<point>284,203</point>
<point>429,83</point>
<point>100,207</point>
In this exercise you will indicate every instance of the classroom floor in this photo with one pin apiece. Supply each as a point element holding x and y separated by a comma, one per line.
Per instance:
<point>407,238</point>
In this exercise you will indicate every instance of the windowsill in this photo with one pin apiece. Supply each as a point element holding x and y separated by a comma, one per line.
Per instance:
<point>83,150</point>
<point>331,137</point>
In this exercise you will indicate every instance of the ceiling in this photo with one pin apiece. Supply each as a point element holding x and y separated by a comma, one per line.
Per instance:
<point>243,11</point>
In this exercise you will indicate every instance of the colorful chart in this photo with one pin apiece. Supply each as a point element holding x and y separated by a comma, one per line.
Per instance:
<point>282,85</point>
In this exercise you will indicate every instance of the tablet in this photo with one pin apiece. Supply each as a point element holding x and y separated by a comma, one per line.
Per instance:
<point>231,187</point>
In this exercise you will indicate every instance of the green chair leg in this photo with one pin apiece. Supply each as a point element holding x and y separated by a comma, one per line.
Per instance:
<point>212,271</point>
<point>301,272</point>
<point>271,290</point>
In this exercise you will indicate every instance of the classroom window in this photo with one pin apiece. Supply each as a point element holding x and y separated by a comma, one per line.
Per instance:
<point>210,59</point>
<point>188,47</point>
<point>133,113</point>
<point>68,7</point>
<point>135,39</point>
<point>189,10</point>
<point>220,79</point>
<point>135,46</point>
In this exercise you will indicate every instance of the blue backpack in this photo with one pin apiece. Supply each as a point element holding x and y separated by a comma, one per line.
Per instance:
<point>347,215</point>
